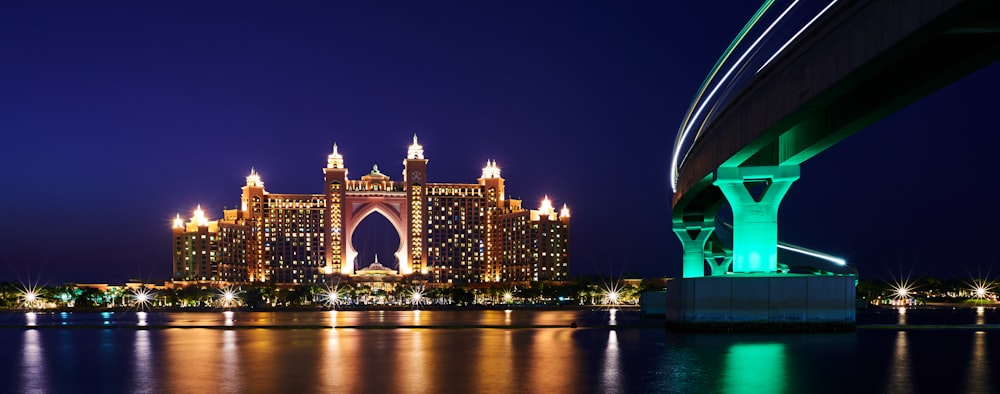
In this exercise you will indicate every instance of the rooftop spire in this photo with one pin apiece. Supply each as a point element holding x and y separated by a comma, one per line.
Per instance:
<point>199,217</point>
<point>253,180</point>
<point>491,170</point>
<point>546,207</point>
<point>416,151</point>
<point>564,212</point>
<point>335,160</point>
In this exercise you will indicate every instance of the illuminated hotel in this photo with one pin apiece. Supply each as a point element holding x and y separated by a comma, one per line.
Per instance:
<point>459,233</point>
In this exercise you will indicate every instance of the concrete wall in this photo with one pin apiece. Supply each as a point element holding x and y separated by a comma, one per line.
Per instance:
<point>653,304</point>
<point>772,299</point>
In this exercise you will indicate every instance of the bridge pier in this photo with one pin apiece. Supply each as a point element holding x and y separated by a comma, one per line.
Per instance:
<point>755,219</point>
<point>776,302</point>
<point>719,264</point>
<point>693,236</point>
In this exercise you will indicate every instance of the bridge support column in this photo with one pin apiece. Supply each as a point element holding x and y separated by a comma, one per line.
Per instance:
<point>755,219</point>
<point>693,236</point>
<point>720,264</point>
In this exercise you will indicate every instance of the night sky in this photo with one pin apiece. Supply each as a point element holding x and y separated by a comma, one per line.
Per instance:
<point>115,117</point>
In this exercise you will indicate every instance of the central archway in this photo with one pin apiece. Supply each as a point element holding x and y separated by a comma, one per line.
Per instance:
<point>375,239</point>
<point>392,213</point>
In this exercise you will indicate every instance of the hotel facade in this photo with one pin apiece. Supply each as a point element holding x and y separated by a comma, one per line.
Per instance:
<point>449,233</point>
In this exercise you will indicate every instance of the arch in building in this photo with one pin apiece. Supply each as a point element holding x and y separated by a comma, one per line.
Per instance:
<point>393,212</point>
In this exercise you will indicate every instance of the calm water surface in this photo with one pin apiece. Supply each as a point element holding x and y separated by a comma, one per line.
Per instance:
<point>517,351</point>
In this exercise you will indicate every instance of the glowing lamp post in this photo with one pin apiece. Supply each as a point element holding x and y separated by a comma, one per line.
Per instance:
<point>901,291</point>
<point>30,299</point>
<point>612,294</point>
<point>229,297</point>
<point>142,298</point>
<point>613,297</point>
<point>982,289</point>
<point>332,297</point>
<point>416,297</point>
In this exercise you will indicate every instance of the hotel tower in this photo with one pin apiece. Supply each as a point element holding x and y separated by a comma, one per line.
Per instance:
<point>460,233</point>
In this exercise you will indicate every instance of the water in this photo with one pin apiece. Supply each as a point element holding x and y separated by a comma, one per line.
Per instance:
<point>517,351</point>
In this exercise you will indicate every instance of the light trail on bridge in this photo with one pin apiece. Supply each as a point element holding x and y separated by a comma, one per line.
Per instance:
<point>697,114</point>
<point>687,123</point>
<point>813,253</point>
<point>796,36</point>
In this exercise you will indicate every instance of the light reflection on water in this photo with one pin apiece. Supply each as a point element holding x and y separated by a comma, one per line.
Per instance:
<point>230,363</point>
<point>979,373</point>
<point>552,359</point>
<point>900,379</point>
<point>755,368</point>
<point>34,377</point>
<point>142,363</point>
<point>415,361</point>
<point>612,384</point>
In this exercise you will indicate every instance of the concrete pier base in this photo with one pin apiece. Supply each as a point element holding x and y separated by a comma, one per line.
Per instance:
<point>780,302</point>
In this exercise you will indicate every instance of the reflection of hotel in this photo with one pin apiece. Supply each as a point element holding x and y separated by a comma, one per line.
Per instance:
<point>448,232</point>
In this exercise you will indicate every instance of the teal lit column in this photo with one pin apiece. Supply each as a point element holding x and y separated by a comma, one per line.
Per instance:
<point>755,220</point>
<point>693,236</point>
<point>719,256</point>
<point>719,264</point>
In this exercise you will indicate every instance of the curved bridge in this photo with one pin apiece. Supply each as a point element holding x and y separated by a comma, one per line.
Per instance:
<point>799,78</point>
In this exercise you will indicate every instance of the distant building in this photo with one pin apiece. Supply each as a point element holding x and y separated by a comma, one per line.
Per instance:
<point>196,245</point>
<point>457,233</point>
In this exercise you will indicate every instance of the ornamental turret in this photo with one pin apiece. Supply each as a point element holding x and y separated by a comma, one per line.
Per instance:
<point>335,176</point>
<point>199,218</point>
<point>545,209</point>
<point>335,160</point>
<point>252,195</point>
<point>253,180</point>
<point>491,170</point>
<point>414,180</point>
<point>416,151</point>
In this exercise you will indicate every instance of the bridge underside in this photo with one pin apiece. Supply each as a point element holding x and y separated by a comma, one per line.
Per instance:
<point>959,43</point>
<point>864,60</point>
<point>868,60</point>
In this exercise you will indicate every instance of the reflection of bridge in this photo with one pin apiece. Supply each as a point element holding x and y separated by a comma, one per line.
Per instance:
<point>773,101</point>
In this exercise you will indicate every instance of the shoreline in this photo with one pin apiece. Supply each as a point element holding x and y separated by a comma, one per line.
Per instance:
<point>340,308</point>
<point>931,305</point>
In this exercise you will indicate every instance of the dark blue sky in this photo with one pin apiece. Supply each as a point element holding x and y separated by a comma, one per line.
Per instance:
<point>114,117</point>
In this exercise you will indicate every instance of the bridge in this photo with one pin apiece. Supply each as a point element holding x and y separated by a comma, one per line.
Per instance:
<point>799,78</point>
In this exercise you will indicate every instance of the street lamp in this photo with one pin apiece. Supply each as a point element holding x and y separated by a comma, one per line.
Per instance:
<point>229,297</point>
